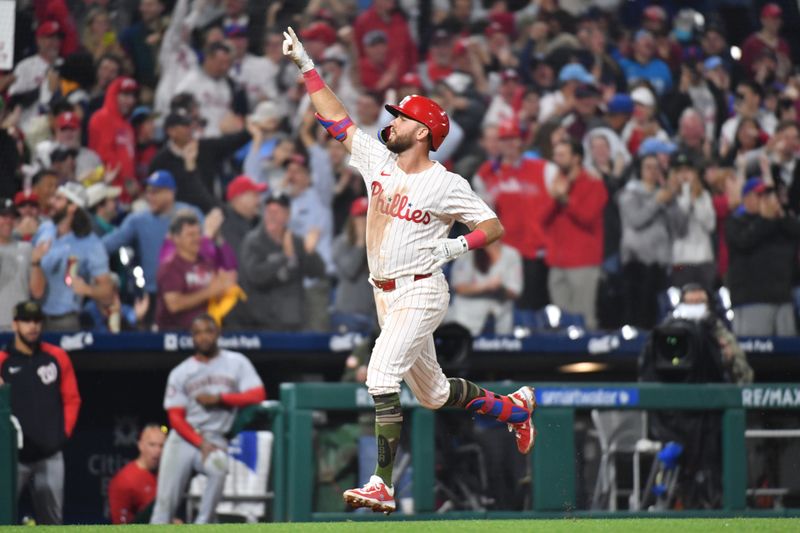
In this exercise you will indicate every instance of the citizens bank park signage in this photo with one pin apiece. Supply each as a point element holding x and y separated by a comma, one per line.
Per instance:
<point>176,341</point>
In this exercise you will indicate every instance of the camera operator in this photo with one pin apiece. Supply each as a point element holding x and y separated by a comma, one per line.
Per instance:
<point>693,346</point>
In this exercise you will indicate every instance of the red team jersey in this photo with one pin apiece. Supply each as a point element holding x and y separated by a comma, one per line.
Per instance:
<point>131,490</point>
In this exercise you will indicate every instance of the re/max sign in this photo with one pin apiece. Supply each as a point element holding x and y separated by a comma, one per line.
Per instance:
<point>771,397</point>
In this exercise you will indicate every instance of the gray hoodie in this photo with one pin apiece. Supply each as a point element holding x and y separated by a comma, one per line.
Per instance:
<point>648,227</point>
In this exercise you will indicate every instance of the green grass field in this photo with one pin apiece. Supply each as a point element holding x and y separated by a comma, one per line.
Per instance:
<point>650,525</point>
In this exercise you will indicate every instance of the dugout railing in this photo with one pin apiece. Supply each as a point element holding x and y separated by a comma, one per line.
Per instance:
<point>553,457</point>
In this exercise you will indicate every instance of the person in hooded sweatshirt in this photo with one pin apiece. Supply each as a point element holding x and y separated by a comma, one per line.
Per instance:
<point>113,137</point>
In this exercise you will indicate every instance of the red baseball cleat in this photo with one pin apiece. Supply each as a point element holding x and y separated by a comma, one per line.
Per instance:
<point>524,432</point>
<point>375,495</point>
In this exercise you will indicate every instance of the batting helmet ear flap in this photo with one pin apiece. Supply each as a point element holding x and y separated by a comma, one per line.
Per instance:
<point>383,135</point>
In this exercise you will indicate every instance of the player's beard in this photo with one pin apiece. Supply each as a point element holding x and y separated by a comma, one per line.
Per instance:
<point>31,341</point>
<point>209,350</point>
<point>58,216</point>
<point>399,144</point>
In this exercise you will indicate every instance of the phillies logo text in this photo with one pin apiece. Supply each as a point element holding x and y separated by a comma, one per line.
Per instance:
<point>398,207</point>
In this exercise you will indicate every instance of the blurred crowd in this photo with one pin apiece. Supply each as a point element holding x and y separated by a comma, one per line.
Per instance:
<point>160,159</point>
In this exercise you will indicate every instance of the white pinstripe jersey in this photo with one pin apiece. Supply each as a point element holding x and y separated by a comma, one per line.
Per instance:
<point>408,210</point>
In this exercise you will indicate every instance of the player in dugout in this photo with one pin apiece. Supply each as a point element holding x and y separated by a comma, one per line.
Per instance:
<point>203,395</point>
<point>413,204</point>
<point>133,488</point>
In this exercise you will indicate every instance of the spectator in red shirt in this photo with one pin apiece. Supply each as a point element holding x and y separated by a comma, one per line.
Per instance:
<point>572,217</point>
<point>112,136</point>
<point>515,187</point>
<point>186,279</point>
<point>133,488</point>
<point>767,39</point>
<point>377,69</point>
<point>384,16</point>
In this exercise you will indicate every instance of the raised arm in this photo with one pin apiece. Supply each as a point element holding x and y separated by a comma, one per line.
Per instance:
<point>330,111</point>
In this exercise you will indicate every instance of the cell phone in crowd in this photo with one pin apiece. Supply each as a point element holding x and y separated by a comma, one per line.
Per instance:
<point>72,270</point>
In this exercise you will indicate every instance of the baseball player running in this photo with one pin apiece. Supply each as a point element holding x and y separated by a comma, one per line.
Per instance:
<point>413,203</point>
<point>203,393</point>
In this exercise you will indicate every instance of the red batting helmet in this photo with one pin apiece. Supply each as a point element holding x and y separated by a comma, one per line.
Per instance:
<point>425,111</point>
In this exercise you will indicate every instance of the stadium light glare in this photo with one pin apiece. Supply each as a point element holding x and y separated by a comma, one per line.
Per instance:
<point>736,53</point>
<point>582,367</point>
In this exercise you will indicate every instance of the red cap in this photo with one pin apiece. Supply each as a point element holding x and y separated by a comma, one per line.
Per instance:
<point>128,85</point>
<point>772,11</point>
<point>655,13</point>
<point>493,28</point>
<point>319,31</point>
<point>68,120</point>
<point>509,74</point>
<point>505,22</point>
<point>359,207</point>
<point>26,197</point>
<point>242,184</point>
<point>509,130</point>
<point>409,78</point>
<point>48,29</point>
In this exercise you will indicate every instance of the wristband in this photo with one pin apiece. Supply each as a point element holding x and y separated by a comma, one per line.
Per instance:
<point>313,81</point>
<point>475,239</point>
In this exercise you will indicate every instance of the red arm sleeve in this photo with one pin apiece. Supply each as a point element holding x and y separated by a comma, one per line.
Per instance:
<point>120,500</point>
<point>70,397</point>
<point>241,399</point>
<point>177,420</point>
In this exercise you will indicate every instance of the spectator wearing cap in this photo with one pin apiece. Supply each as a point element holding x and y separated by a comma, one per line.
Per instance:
<point>560,101</point>
<point>662,149</point>
<point>251,72</point>
<point>112,136</point>
<point>146,230</point>
<point>585,113</point>
<point>317,38</point>
<point>695,91</point>
<point>19,261</point>
<point>62,161</point>
<point>67,134</point>
<point>377,70</point>
<point>29,89</point>
<point>76,266</point>
<point>194,164</point>
<point>336,67</point>
<point>274,263</point>
<point>354,304</point>
<point>486,283</point>
<point>645,66</point>
<point>440,60</point>
<point>762,242</point>
<point>264,127</point>
<point>656,21</point>
<point>102,205</point>
<point>618,112</point>
<point>241,211</point>
<point>505,104</point>
<point>748,97</point>
<point>26,204</point>
<point>384,16</point>
<point>692,250</point>
<point>211,87</point>
<point>144,127</point>
<point>516,188</point>
<point>142,41</point>
<point>572,218</point>
<point>187,280</point>
<point>650,218</point>
<point>45,402</point>
<point>644,122</point>
<point>767,39</point>
<point>312,219</point>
